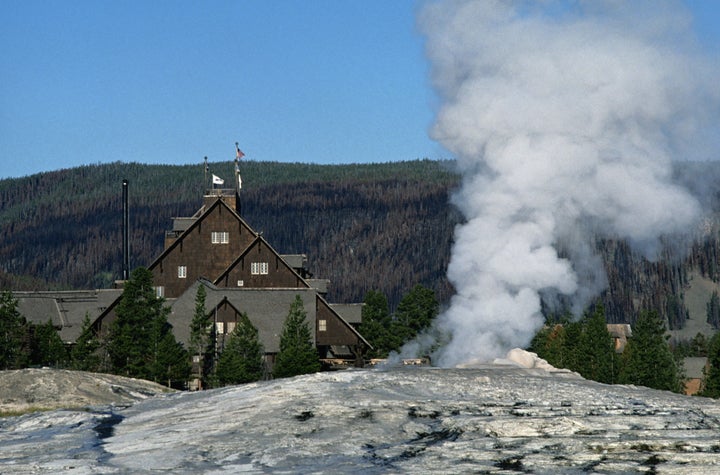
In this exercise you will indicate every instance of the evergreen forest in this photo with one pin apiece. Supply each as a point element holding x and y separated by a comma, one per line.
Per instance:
<point>382,226</point>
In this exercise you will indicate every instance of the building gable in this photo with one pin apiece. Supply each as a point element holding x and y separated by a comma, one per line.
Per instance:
<point>267,310</point>
<point>260,266</point>
<point>332,330</point>
<point>205,249</point>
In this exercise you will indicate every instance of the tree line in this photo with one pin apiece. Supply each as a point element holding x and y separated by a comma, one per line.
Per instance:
<point>384,226</point>
<point>140,342</point>
<point>586,347</point>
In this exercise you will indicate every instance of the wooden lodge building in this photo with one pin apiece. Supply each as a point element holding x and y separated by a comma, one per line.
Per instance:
<point>241,272</point>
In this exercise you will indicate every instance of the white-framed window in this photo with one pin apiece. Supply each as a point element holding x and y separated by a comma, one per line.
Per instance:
<point>259,268</point>
<point>159,291</point>
<point>322,325</point>
<point>220,237</point>
<point>182,272</point>
<point>241,283</point>
<point>220,328</point>
<point>230,327</point>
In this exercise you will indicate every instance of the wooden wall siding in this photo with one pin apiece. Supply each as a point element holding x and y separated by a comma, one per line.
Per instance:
<point>337,332</point>
<point>195,251</point>
<point>279,275</point>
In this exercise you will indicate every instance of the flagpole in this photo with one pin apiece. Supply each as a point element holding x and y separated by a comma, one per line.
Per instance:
<point>238,155</point>
<point>206,172</point>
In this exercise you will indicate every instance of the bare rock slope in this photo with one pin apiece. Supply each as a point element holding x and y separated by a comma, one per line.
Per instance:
<point>29,389</point>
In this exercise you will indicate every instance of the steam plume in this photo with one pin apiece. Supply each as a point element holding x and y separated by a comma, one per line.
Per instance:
<point>564,118</point>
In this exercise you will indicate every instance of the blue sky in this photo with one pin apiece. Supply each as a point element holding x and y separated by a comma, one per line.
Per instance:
<point>324,81</point>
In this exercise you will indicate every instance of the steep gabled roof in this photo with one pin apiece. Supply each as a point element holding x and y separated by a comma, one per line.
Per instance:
<point>267,309</point>
<point>198,222</point>
<point>345,322</point>
<point>259,239</point>
<point>271,303</point>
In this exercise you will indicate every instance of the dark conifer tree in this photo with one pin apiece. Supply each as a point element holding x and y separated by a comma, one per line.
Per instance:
<point>711,380</point>
<point>647,359</point>
<point>549,344</point>
<point>201,341</point>
<point>48,348</point>
<point>84,354</point>
<point>170,365</point>
<point>130,341</point>
<point>713,310</point>
<point>242,359</point>
<point>571,347</point>
<point>298,354</point>
<point>415,313</point>
<point>596,351</point>
<point>141,334</point>
<point>14,334</point>
<point>376,325</point>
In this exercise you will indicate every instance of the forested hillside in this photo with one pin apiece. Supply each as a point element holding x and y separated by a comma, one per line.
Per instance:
<point>377,226</point>
<point>365,227</point>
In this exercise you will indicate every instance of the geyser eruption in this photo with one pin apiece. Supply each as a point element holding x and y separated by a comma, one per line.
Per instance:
<point>564,118</point>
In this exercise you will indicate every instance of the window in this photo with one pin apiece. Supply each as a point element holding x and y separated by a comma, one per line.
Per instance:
<point>219,328</point>
<point>182,272</point>
<point>240,283</point>
<point>322,325</point>
<point>159,291</point>
<point>220,237</point>
<point>259,268</point>
<point>230,327</point>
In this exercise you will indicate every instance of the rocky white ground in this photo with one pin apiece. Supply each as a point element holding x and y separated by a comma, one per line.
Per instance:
<point>41,389</point>
<point>486,419</point>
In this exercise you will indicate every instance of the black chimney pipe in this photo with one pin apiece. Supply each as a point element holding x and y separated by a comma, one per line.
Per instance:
<point>126,232</point>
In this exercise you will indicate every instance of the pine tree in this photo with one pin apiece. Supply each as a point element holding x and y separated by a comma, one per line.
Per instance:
<point>201,341</point>
<point>713,310</point>
<point>84,354</point>
<point>376,323</point>
<point>14,334</point>
<point>242,359</point>
<point>415,313</point>
<point>549,344</point>
<point>597,361</point>
<point>571,346</point>
<point>647,359</point>
<point>561,342</point>
<point>140,342</point>
<point>170,365</point>
<point>48,348</point>
<point>298,354</point>
<point>711,380</point>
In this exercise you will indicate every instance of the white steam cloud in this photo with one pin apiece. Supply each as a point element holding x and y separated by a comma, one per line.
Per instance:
<point>564,117</point>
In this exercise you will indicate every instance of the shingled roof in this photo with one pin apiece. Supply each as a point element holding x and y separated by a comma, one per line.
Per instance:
<point>267,309</point>
<point>65,309</point>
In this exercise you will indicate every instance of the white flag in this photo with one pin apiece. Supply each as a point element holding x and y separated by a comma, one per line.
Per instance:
<point>217,180</point>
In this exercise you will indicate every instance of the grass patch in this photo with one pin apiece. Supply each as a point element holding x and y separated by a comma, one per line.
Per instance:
<point>26,410</point>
